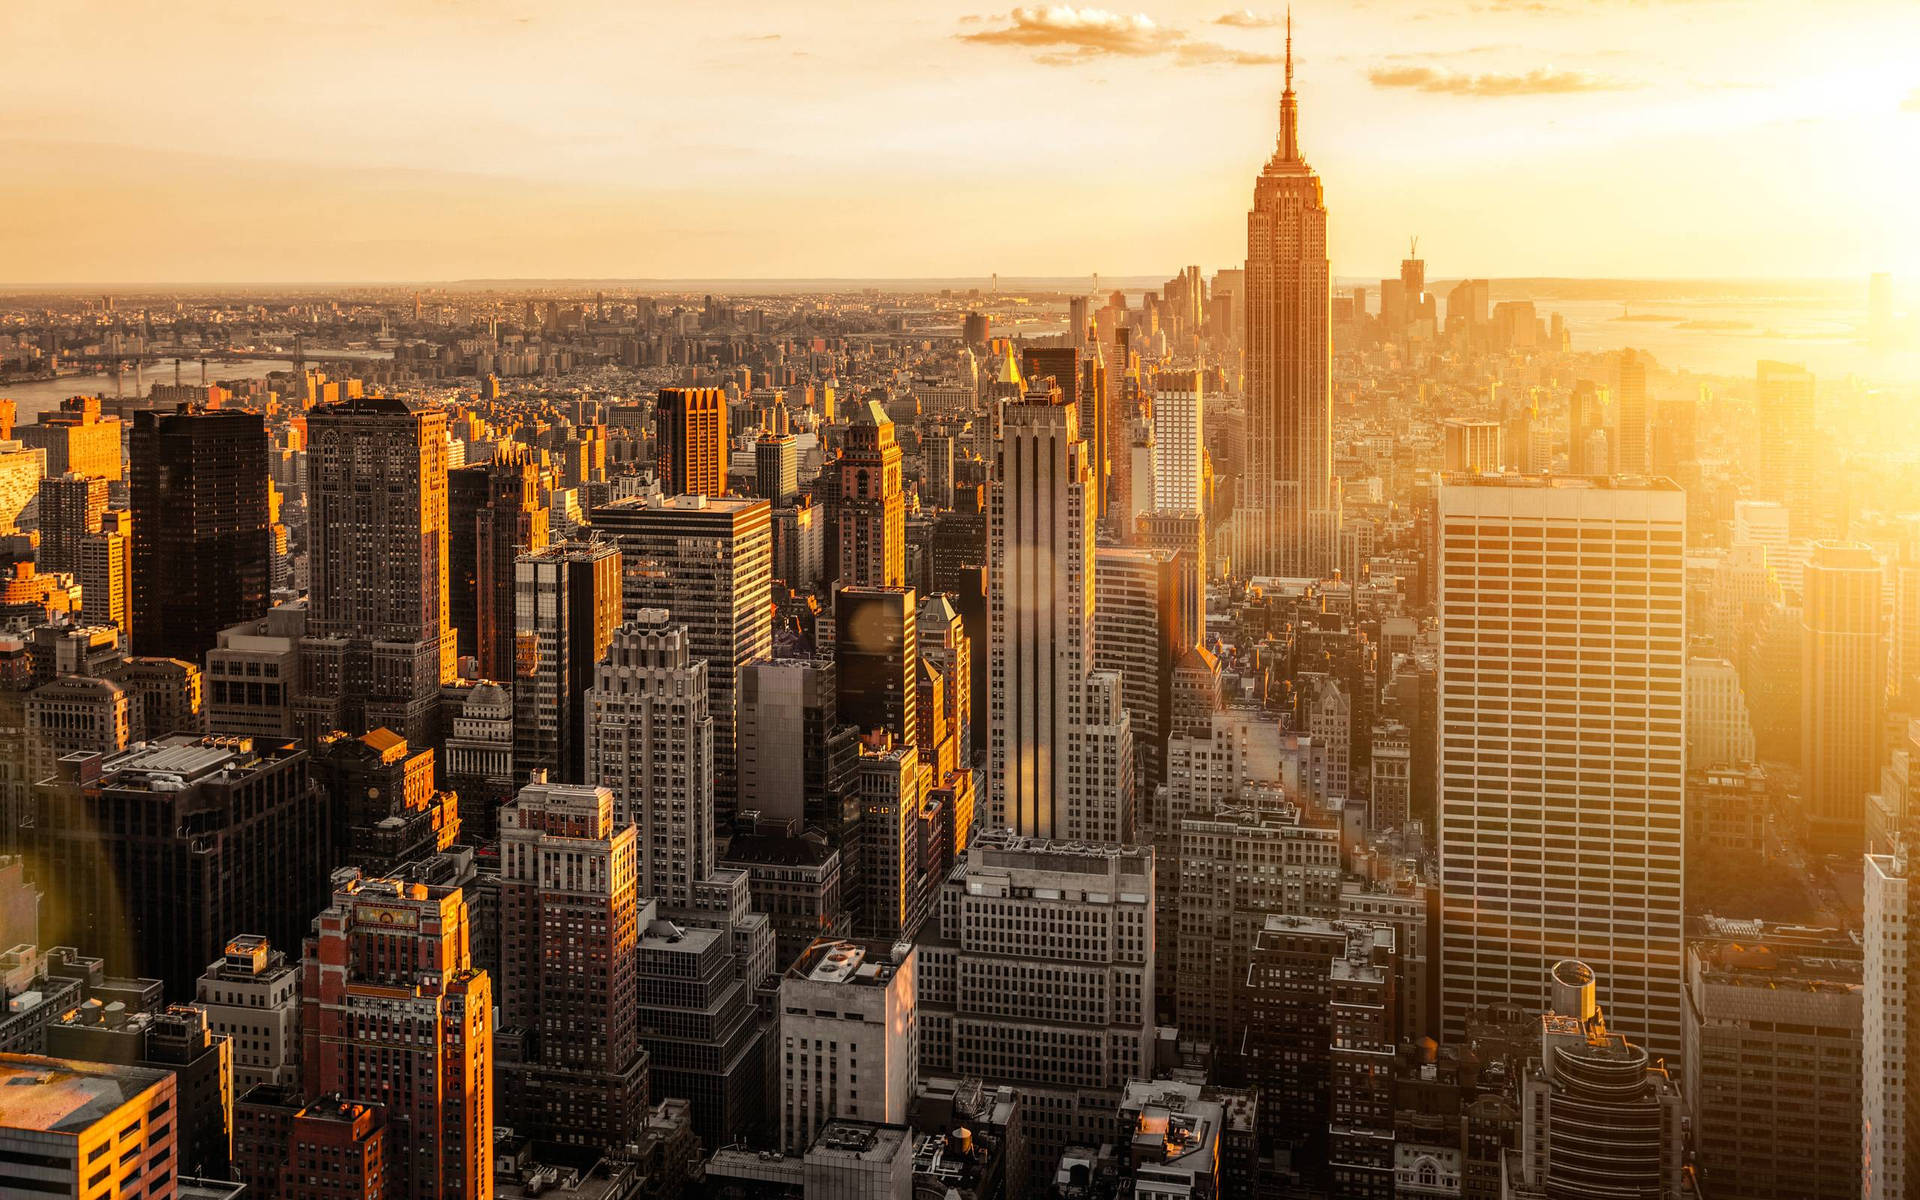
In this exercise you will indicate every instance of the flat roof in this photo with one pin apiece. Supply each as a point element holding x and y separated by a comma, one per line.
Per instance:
<point>1611,483</point>
<point>61,1095</point>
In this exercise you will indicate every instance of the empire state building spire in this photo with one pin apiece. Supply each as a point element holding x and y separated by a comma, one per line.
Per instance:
<point>1289,523</point>
<point>1289,108</point>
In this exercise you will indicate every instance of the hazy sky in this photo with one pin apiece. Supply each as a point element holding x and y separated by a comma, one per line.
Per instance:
<point>441,139</point>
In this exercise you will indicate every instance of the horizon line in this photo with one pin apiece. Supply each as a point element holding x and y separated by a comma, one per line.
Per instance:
<point>859,280</point>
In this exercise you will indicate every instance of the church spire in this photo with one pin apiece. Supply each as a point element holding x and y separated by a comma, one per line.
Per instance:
<point>1289,109</point>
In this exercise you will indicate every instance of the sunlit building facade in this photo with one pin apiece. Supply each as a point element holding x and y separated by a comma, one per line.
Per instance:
<point>1562,757</point>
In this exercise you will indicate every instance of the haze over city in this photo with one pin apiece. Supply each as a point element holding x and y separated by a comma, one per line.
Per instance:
<point>435,140</point>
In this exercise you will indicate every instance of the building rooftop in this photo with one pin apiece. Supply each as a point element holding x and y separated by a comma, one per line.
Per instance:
<point>775,850</point>
<point>1175,1129</point>
<point>58,1095</point>
<point>723,505</point>
<point>171,762</point>
<point>868,964</point>
<point>859,1139</point>
<point>1611,483</point>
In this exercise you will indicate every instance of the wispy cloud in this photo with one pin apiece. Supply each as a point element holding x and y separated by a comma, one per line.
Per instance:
<point>1207,54</point>
<point>1246,18</point>
<point>1062,35</point>
<point>1078,33</point>
<point>1542,81</point>
<point>1431,56</point>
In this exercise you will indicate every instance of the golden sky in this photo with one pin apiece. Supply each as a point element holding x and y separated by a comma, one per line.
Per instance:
<point>246,140</point>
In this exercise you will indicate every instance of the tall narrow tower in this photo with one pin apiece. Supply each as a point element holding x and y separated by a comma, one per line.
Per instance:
<point>650,741</point>
<point>870,528</point>
<point>377,645</point>
<point>1289,522</point>
<point>1062,746</point>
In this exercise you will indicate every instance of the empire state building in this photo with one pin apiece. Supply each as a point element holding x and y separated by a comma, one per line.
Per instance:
<point>1289,521</point>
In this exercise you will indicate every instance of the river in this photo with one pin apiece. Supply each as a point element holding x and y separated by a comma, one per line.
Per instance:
<point>45,395</point>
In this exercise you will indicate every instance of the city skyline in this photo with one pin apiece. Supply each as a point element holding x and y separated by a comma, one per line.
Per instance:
<point>1247,731</point>
<point>364,152</point>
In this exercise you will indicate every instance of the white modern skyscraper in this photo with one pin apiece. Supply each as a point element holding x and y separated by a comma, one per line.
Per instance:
<point>1061,747</point>
<point>1179,444</point>
<point>650,740</point>
<point>1562,747</point>
<point>1884,1169</point>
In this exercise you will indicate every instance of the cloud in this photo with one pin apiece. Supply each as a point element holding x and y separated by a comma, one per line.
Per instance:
<point>1429,56</point>
<point>1246,18</point>
<point>1207,54</point>
<point>1542,81</point>
<point>1069,34</point>
<point>1912,102</point>
<point>1064,36</point>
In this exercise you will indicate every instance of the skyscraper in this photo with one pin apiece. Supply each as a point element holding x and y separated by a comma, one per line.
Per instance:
<point>71,507</point>
<point>650,741</point>
<point>213,837</point>
<point>1320,1019</point>
<point>869,509</point>
<point>690,432</point>
<point>251,993</point>
<point>394,1013</point>
<point>1289,516</point>
<point>494,515</point>
<point>566,606</point>
<point>795,753</point>
<point>1062,750</point>
<point>1599,1116</point>
<point>1031,914</point>
<point>1773,1076</point>
<point>377,646</point>
<point>202,554</point>
<point>105,573</point>
<point>847,1012</point>
<point>876,655</point>
<point>77,439</point>
<point>1562,726</point>
<point>890,876</point>
<point>21,470</point>
<point>776,460</point>
<point>1632,449</point>
<point>1783,400</point>
<point>945,646</point>
<point>569,931</point>
<point>1179,443</point>
<point>1843,692</point>
<point>1138,608</point>
<point>1890,1037</point>
<point>709,562</point>
<point>1473,445</point>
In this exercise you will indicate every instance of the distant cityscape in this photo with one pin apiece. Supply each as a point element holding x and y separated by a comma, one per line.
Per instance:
<point>1231,734</point>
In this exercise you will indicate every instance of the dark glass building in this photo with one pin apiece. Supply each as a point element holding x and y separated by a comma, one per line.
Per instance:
<point>202,528</point>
